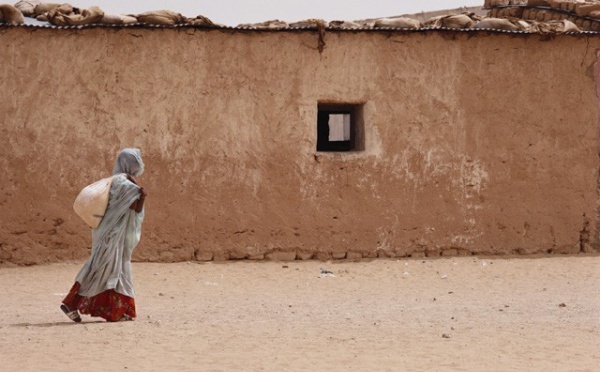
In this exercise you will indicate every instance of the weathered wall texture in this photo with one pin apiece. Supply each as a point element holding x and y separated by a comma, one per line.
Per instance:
<point>474,143</point>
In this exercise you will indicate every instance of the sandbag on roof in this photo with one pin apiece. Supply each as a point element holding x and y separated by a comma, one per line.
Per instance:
<point>200,20</point>
<point>161,17</point>
<point>43,8</point>
<point>65,9</point>
<point>310,23</point>
<point>458,21</point>
<point>400,22</point>
<point>11,15</point>
<point>68,15</point>
<point>497,24</point>
<point>27,7</point>
<point>117,19</point>
<point>557,27</point>
<point>451,21</point>
<point>344,24</point>
<point>274,23</point>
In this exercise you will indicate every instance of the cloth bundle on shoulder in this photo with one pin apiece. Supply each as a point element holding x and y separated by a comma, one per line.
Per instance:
<point>92,201</point>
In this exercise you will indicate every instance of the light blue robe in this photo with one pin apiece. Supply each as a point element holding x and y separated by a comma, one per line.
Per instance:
<point>113,241</point>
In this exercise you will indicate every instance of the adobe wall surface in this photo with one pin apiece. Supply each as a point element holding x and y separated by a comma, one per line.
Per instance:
<point>474,144</point>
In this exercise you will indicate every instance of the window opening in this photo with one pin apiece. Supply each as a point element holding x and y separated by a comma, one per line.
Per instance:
<point>339,127</point>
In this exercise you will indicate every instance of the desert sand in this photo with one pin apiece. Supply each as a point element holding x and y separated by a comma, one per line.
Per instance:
<point>450,314</point>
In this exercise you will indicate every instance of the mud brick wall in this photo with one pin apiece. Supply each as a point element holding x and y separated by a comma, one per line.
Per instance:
<point>474,143</point>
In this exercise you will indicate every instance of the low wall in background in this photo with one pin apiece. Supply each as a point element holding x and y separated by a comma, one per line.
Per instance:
<point>474,143</point>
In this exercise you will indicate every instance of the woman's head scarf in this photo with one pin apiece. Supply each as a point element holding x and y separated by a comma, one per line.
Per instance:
<point>129,161</point>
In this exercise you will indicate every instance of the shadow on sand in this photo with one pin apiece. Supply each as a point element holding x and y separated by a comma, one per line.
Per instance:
<point>56,324</point>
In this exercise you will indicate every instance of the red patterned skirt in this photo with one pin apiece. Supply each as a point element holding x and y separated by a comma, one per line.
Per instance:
<point>109,304</point>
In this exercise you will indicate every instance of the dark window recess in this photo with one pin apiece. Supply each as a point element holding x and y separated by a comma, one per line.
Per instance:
<point>339,127</point>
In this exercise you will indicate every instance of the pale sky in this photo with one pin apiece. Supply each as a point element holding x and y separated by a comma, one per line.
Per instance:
<point>234,12</point>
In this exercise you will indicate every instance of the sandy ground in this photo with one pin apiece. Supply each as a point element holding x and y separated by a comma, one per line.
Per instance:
<point>540,314</point>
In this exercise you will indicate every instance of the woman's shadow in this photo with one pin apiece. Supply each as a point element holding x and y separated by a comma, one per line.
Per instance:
<point>56,324</point>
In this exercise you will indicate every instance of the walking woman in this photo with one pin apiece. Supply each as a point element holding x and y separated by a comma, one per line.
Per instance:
<point>104,286</point>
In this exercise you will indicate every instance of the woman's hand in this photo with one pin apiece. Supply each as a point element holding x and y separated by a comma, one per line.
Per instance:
<point>138,205</point>
<point>140,202</point>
